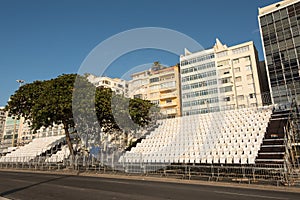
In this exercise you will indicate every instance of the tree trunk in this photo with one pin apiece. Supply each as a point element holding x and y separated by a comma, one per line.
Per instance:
<point>68,139</point>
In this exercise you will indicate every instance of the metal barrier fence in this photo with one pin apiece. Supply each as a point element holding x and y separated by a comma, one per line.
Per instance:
<point>260,173</point>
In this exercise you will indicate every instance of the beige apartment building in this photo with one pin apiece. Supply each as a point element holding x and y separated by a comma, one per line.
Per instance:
<point>239,75</point>
<point>161,86</point>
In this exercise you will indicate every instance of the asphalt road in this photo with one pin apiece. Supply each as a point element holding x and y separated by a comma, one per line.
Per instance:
<point>20,185</point>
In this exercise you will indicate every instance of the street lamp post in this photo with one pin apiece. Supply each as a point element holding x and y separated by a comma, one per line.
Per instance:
<point>20,82</point>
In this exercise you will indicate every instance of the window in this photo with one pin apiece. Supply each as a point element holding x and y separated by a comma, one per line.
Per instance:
<point>198,76</point>
<point>251,86</point>
<point>156,102</point>
<point>225,80</point>
<point>247,58</point>
<point>106,82</point>
<point>169,101</point>
<point>198,59</point>
<point>235,61</point>
<point>276,15</point>
<point>154,87</point>
<point>226,89</point>
<point>152,80</point>
<point>223,63</point>
<point>248,68</point>
<point>226,99</point>
<point>252,96</point>
<point>240,97</point>
<point>240,50</point>
<point>225,71</point>
<point>138,96</point>
<point>239,88</point>
<point>167,77</point>
<point>238,79</point>
<point>222,54</point>
<point>283,13</point>
<point>295,31</point>
<point>249,77</point>
<point>263,21</point>
<point>297,41</point>
<point>237,69</point>
<point>168,84</point>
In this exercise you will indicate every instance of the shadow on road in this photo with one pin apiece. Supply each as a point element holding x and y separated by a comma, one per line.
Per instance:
<point>3,194</point>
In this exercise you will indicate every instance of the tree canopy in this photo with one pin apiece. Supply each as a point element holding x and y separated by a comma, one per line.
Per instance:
<point>45,103</point>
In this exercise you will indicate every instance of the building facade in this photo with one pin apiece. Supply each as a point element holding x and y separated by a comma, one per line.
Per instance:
<point>17,132</point>
<point>117,85</point>
<point>221,78</point>
<point>280,33</point>
<point>2,122</point>
<point>161,86</point>
<point>199,85</point>
<point>11,132</point>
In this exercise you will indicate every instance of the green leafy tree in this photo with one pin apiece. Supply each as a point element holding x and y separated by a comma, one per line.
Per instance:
<point>74,102</point>
<point>45,103</point>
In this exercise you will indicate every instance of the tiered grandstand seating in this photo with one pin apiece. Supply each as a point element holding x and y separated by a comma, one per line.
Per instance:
<point>30,151</point>
<point>60,155</point>
<point>231,137</point>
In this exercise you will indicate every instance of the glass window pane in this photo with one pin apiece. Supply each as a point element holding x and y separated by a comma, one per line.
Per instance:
<point>263,21</point>
<point>276,16</point>
<point>297,41</point>
<point>283,13</point>
<point>269,18</point>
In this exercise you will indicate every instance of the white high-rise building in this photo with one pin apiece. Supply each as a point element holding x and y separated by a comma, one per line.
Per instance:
<point>221,78</point>
<point>119,86</point>
<point>199,87</point>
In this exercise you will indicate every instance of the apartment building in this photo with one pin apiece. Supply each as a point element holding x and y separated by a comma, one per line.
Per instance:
<point>17,132</point>
<point>279,27</point>
<point>117,85</point>
<point>2,122</point>
<point>11,132</point>
<point>160,85</point>
<point>221,78</point>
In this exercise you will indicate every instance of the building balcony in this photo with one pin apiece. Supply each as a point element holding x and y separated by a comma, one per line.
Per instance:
<point>168,95</point>
<point>168,104</point>
<point>167,89</point>
<point>169,111</point>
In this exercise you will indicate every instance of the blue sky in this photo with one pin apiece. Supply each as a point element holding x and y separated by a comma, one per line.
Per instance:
<point>42,39</point>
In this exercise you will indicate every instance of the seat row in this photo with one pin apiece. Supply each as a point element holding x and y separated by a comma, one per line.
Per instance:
<point>186,139</point>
